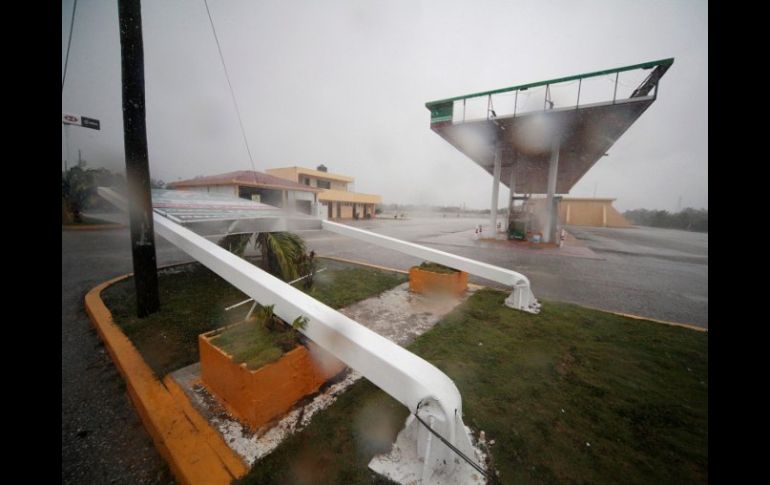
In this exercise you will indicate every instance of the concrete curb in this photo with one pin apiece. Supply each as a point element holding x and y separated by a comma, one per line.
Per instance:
<point>195,452</point>
<point>477,287</point>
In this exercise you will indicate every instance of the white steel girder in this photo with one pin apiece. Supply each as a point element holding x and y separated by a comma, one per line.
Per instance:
<point>411,380</point>
<point>521,298</point>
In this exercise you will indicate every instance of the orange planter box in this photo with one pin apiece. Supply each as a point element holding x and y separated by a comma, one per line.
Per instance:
<point>261,395</point>
<point>422,281</point>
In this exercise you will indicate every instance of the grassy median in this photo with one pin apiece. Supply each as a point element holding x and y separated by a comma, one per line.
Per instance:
<point>193,301</point>
<point>569,395</point>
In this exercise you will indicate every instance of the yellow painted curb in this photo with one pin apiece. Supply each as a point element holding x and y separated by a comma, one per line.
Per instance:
<point>91,227</point>
<point>233,462</point>
<point>361,263</point>
<point>194,451</point>
<point>664,322</point>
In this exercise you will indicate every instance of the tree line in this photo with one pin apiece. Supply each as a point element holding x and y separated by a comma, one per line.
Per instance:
<point>688,219</point>
<point>78,190</point>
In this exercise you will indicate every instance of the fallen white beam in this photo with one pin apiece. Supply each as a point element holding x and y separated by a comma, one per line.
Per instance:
<point>405,376</point>
<point>521,297</point>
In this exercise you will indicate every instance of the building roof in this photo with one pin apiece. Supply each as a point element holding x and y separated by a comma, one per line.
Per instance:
<point>582,132</point>
<point>248,178</point>
<point>318,173</point>
<point>587,199</point>
<point>219,214</point>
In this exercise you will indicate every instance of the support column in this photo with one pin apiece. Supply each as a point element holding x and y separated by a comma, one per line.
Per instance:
<point>553,170</point>
<point>495,189</point>
<point>511,192</point>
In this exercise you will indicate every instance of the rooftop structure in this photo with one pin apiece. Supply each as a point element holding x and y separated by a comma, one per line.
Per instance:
<point>256,186</point>
<point>543,143</point>
<point>337,197</point>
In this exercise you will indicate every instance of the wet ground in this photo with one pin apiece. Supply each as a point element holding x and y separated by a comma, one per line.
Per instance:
<point>656,273</point>
<point>103,440</point>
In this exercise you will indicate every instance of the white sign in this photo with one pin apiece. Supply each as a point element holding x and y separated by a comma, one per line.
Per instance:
<point>69,119</point>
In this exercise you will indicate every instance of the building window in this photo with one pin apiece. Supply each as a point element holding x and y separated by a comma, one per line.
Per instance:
<point>307,181</point>
<point>324,184</point>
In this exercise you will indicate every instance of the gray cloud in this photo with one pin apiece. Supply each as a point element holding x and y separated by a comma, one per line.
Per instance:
<point>344,83</point>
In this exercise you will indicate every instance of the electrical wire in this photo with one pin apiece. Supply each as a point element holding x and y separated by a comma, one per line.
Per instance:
<point>232,93</point>
<point>69,43</point>
<point>451,446</point>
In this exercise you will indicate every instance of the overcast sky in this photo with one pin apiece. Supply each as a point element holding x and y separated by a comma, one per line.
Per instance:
<point>344,83</point>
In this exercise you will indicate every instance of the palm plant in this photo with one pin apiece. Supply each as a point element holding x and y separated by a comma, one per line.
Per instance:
<point>281,253</point>
<point>77,190</point>
<point>235,243</point>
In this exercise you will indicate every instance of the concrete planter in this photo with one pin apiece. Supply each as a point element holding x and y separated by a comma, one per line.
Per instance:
<point>259,396</point>
<point>423,281</point>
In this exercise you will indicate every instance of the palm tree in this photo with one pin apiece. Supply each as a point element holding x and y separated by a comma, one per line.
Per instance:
<point>281,253</point>
<point>235,243</point>
<point>77,190</point>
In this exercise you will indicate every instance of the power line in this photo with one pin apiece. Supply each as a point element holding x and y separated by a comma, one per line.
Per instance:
<point>69,42</point>
<point>232,93</point>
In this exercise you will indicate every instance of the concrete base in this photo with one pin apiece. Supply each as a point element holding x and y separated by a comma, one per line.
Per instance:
<point>418,456</point>
<point>522,298</point>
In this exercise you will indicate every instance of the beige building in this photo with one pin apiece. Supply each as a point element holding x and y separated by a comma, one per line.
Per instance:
<point>578,211</point>
<point>337,198</point>
<point>590,212</point>
<point>257,186</point>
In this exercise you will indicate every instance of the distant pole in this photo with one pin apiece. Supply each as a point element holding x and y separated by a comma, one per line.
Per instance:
<point>137,164</point>
<point>495,188</point>
<point>66,145</point>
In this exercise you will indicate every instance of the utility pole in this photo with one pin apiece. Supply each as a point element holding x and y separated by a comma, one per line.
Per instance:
<point>137,163</point>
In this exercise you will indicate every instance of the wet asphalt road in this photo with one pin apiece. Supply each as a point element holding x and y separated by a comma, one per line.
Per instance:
<point>655,273</point>
<point>102,440</point>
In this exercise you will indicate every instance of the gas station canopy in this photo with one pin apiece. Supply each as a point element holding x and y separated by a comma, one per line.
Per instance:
<point>525,137</point>
<point>217,214</point>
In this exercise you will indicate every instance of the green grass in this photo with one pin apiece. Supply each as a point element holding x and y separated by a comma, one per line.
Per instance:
<point>91,221</point>
<point>253,344</point>
<point>543,387</point>
<point>193,300</point>
<point>338,444</point>
<point>342,284</point>
<point>437,268</point>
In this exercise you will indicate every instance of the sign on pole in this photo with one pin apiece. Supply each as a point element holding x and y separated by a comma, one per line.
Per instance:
<point>70,119</point>
<point>89,123</point>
